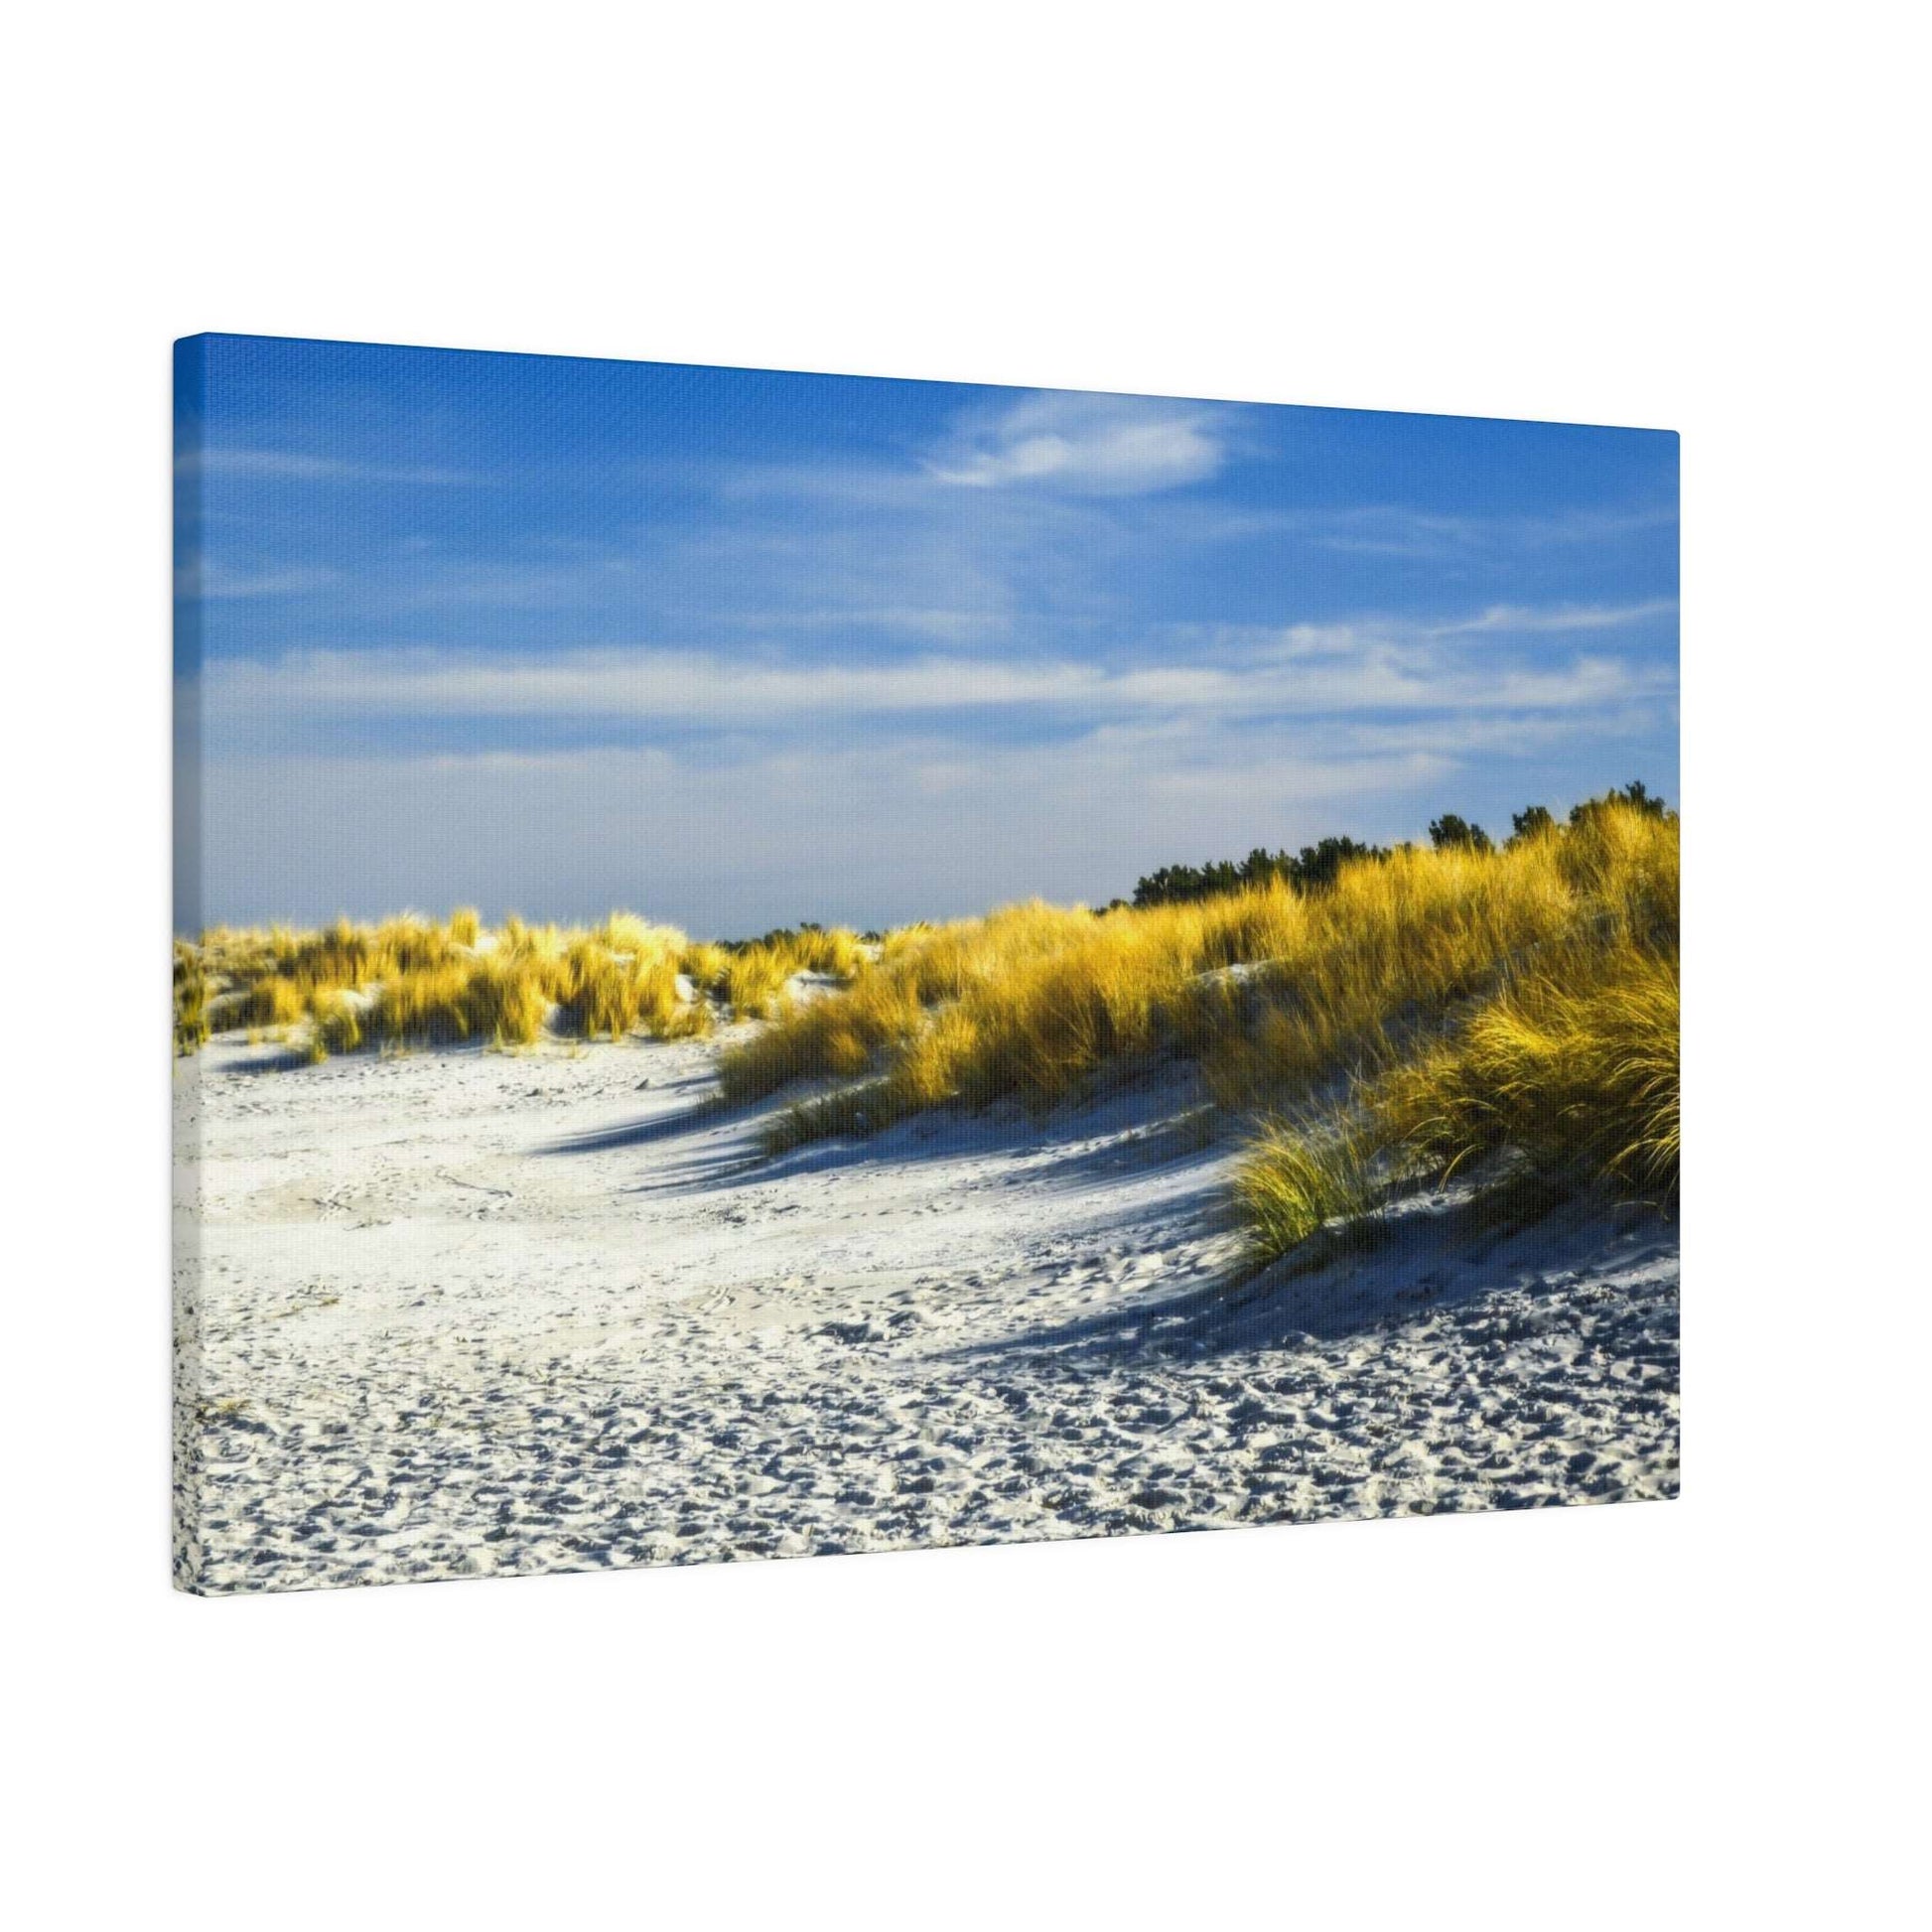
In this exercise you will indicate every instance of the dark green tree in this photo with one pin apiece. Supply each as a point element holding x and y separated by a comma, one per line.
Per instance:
<point>1451,831</point>
<point>1319,865</point>
<point>1636,796</point>
<point>1312,869</point>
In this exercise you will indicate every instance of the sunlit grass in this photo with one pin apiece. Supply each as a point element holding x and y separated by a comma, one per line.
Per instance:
<point>1272,990</point>
<point>509,998</point>
<point>1453,1003</point>
<point>408,982</point>
<point>1294,1181</point>
<point>274,1002</point>
<point>703,962</point>
<point>755,981</point>
<point>1435,1014</point>
<point>831,950</point>
<point>604,992</point>
<point>1560,1064</point>
<point>191,999</point>
<point>1574,1068</point>
<point>421,1005</point>
<point>335,1024</point>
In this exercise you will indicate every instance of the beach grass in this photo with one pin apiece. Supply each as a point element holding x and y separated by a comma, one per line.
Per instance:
<point>1298,1178</point>
<point>1273,991</point>
<point>1452,1004</point>
<point>1574,1068</point>
<point>191,999</point>
<point>424,983</point>
<point>1411,1017</point>
<point>411,982</point>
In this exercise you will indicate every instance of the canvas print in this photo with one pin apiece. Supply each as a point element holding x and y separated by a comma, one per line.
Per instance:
<point>772,965</point>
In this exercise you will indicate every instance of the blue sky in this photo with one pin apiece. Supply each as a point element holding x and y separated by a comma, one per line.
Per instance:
<point>735,649</point>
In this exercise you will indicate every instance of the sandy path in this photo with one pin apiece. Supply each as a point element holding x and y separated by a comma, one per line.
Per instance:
<point>463,1313</point>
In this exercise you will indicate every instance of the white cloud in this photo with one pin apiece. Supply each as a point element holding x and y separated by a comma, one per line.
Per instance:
<point>1092,445</point>
<point>651,685</point>
<point>1392,530</point>
<point>1502,733</point>
<point>1568,617</point>
<point>839,788</point>
<point>219,580</point>
<point>292,466</point>
<point>633,683</point>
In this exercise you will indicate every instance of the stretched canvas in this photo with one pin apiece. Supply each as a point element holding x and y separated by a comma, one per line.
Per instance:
<point>775,964</point>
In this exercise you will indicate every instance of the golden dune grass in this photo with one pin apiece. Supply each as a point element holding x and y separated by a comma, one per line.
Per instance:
<point>1562,1059</point>
<point>191,999</point>
<point>886,1008</point>
<point>409,982</point>
<point>1427,1010</point>
<point>836,951</point>
<point>703,962</point>
<point>1463,1000</point>
<point>753,982</point>
<point>1573,1066</point>
<point>1271,989</point>
<point>1297,1180</point>
<point>753,979</point>
<point>431,984</point>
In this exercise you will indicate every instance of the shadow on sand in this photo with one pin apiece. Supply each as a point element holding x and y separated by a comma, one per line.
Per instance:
<point>651,1130</point>
<point>1423,1253</point>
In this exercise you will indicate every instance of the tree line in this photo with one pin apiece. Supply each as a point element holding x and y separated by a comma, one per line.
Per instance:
<point>1315,866</point>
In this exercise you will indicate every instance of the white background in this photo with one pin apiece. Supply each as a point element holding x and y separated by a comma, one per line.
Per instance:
<point>1706,1712</point>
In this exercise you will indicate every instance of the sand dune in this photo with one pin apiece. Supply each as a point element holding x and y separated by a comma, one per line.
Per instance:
<point>464,1313</point>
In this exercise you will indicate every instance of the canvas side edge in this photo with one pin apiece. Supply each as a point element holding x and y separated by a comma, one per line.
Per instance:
<point>187,1541</point>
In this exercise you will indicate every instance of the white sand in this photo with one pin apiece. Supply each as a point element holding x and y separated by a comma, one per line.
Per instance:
<point>467,1314</point>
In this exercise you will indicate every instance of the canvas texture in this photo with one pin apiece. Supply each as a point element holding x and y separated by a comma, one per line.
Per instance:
<point>775,965</point>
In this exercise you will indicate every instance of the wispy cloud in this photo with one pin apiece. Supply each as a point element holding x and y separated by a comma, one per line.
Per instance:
<point>1093,446</point>
<point>1290,675</point>
<point>1572,616</point>
<point>1396,531</point>
<point>293,465</point>
<point>220,580</point>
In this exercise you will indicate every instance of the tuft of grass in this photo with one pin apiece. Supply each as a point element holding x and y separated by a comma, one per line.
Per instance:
<point>608,993</point>
<point>683,1019</point>
<point>753,976</point>
<point>1035,1000</point>
<point>840,1038</point>
<point>466,926</point>
<point>191,999</point>
<point>885,1014</point>
<point>335,1024</point>
<point>1295,1182</point>
<point>508,997</point>
<point>602,993</point>
<point>626,933</point>
<point>835,951</point>
<point>704,964</point>
<point>273,1002</point>
<point>1575,1067</point>
<point>755,982</point>
<point>422,1006</point>
<point>860,1109</point>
